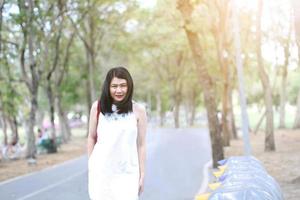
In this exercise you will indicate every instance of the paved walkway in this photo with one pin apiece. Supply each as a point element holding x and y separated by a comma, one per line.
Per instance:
<point>175,164</point>
<point>65,181</point>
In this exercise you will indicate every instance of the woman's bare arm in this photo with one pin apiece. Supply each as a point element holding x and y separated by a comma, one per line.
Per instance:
<point>141,143</point>
<point>91,140</point>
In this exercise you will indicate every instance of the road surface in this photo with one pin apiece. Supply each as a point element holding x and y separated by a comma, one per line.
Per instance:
<point>174,171</point>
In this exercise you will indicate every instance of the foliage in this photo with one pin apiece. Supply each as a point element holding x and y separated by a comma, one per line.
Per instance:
<point>149,41</point>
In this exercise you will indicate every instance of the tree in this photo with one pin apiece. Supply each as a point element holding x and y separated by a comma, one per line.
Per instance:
<point>85,30</point>
<point>96,23</point>
<point>26,22</point>
<point>1,19</point>
<point>269,135</point>
<point>296,7</point>
<point>10,97</point>
<point>52,57</point>
<point>240,75</point>
<point>223,40</point>
<point>160,48</point>
<point>57,65</point>
<point>186,10</point>
<point>283,93</point>
<point>191,94</point>
<point>61,74</point>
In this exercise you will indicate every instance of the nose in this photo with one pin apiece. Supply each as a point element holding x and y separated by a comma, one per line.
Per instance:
<point>118,89</point>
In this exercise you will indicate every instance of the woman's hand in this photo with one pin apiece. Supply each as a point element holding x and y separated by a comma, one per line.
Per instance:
<point>141,186</point>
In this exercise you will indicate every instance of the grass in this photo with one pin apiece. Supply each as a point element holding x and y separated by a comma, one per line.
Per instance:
<point>254,116</point>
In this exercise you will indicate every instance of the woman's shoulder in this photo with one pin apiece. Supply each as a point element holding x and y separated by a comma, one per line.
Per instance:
<point>95,105</point>
<point>138,108</point>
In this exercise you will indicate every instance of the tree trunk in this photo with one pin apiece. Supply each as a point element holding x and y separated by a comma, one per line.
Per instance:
<point>240,77</point>
<point>4,128</point>
<point>51,72</point>
<point>1,17</point>
<point>231,123</point>
<point>63,121</point>
<point>51,106</point>
<point>231,118</point>
<point>88,95</point>
<point>176,111</point>
<point>221,37</point>
<point>158,108</point>
<point>14,129</point>
<point>161,113</point>
<point>284,84</point>
<point>225,121</point>
<point>40,117</point>
<point>234,132</point>
<point>149,101</point>
<point>296,7</point>
<point>32,81</point>
<point>297,118</point>
<point>259,123</point>
<point>176,83</point>
<point>2,117</point>
<point>91,75</point>
<point>269,135</point>
<point>186,113</point>
<point>31,149</point>
<point>162,118</point>
<point>91,50</point>
<point>192,109</point>
<point>186,10</point>
<point>90,54</point>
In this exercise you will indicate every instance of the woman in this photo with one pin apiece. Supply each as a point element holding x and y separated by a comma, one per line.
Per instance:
<point>116,141</point>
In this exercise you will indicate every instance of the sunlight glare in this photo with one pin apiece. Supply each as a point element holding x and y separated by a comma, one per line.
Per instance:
<point>147,4</point>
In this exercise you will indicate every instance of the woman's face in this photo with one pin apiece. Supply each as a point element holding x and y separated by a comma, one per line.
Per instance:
<point>118,89</point>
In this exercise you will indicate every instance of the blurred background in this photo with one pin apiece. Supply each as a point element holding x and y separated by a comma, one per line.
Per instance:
<point>183,56</point>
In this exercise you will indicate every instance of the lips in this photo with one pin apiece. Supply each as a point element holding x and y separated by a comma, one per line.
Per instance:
<point>119,96</point>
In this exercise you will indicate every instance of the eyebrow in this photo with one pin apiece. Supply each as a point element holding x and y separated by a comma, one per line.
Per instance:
<point>119,84</point>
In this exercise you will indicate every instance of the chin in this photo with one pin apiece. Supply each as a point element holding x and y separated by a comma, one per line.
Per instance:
<point>118,100</point>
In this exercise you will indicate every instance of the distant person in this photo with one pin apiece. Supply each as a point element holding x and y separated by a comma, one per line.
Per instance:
<point>39,140</point>
<point>42,135</point>
<point>39,133</point>
<point>116,141</point>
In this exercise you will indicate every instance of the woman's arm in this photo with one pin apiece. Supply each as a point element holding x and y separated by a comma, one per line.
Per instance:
<point>141,144</point>
<point>91,140</point>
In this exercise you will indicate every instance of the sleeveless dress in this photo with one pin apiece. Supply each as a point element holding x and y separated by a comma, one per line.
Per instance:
<point>113,167</point>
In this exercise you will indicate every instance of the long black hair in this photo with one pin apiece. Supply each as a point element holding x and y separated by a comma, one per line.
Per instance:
<point>106,100</point>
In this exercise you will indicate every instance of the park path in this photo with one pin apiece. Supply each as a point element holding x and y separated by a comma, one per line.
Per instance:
<point>174,171</point>
<point>175,163</point>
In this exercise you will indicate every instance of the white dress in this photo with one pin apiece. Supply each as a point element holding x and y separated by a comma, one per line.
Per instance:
<point>113,167</point>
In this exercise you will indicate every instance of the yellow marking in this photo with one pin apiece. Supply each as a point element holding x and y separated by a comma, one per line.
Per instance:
<point>218,173</point>
<point>214,186</point>
<point>204,196</point>
<point>223,167</point>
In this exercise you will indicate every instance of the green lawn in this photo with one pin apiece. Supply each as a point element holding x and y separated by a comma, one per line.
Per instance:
<point>254,117</point>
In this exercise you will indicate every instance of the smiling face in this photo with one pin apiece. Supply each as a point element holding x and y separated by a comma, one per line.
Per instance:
<point>118,89</point>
